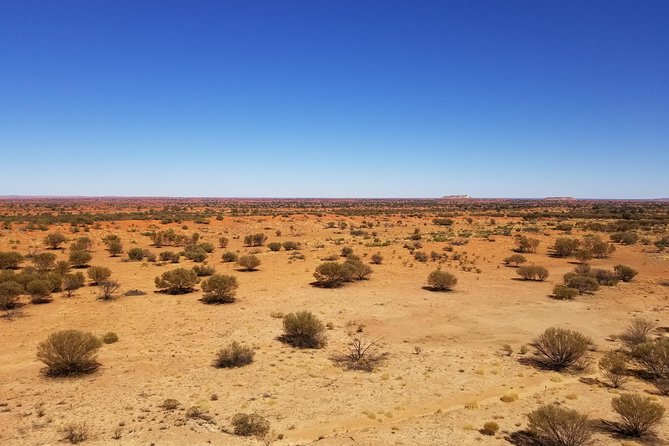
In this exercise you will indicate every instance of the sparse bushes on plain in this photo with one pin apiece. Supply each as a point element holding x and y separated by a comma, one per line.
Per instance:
<point>560,348</point>
<point>303,330</point>
<point>255,239</point>
<point>248,262</point>
<point>526,245</point>
<point>625,238</point>
<point>584,283</point>
<point>69,352</point>
<point>565,247</point>
<point>490,428</point>
<point>515,260</point>
<point>605,277</point>
<point>614,366</point>
<point>75,433</point>
<point>177,281</point>
<point>361,355</point>
<point>54,239</point>
<point>290,245</point>
<point>219,289</point>
<point>638,414</point>
<point>557,426</point>
<point>223,242</point>
<point>113,244</point>
<point>169,256</point>
<point>332,274</point>
<point>439,280</point>
<point>234,355</point>
<point>110,338</point>
<point>44,261</point>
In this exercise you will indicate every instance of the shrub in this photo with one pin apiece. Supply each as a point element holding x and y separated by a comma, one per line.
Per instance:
<point>555,425</point>
<point>563,292</point>
<point>72,282</point>
<point>303,330</point>
<point>377,258</point>
<point>357,269</point>
<point>654,357</point>
<point>44,261</point>
<point>234,355</point>
<point>219,289</point>
<point>223,242</point>
<point>9,294</point>
<point>169,256</point>
<point>248,262</point>
<point>346,251</point>
<point>605,277</point>
<point>177,281</point>
<point>532,272</point>
<point>248,425</point>
<point>39,290</point>
<point>54,239</point>
<point>637,333</point>
<point>136,254</point>
<point>98,274</point>
<point>291,245</point>
<point>614,366</point>
<point>204,270</point>
<point>170,404</point>
<point>559,348</point>
<point>332,274</point>
<point>582,282</point>
<point>639,415</point>
<point>274,246</point>
<point>439,280</point>
<point>62,267</point>
<point>69,352</point>
<point>79,258</point>
<point>421,256</point>
<point>490,428</point>
<point>110,338</point>
<point>625,273</point>
<point>75,433</point>
<point>82,244</point>
<point>625,238</point>
<point>525,244</point>
<point>195,253</point>
<point>206,247</point>
<point>113,244</point>
<point>10,260</point>
<point>515,259</point>
<point>230,256</point>
<point>255,239</point>
<point>565,247</point>
<point>108,289</point>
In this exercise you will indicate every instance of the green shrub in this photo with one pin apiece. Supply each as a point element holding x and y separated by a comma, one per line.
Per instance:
<point>584,283</point>
<point>39,290</point>
<point>177,281</point>
<point>69,352</point>
<point>80,258</point>
<point>248,262</point>
<point>654,357</point>
<point>230,256</point>
<point>219,289</point>
<point>10,260</point>
<point>563,292</point>
<point>44,261</point>
<point>565,247</point>
<point>72,282</point>
<point>439,280</point>
<point>605,277</point>
<point>303,330</point>
<point>515,259</point>
<point>625,273</point>
<point>525,244</point>
<point>556,426</point>
<point>625,238</point>
<point>54,239</point>
<point>110,338</point>
<point>98,274</point>
<point>490,428</point>
<point>638,332</point>
<point>169,256</point>
<point>559,348</point>
<point>614,366</point>
<point>291,246</point>
<point>274,246</point>
<point>639,415</point>
<point>223,242</point>
<point>204,270</point>
<point>332,274</point>
<point>248,425</point>
<point>234,355</point>
<point>9,294</point>
<point>421,256</point>
<point>113,245</point>
<point>136,254</point>
<point>532,272</point>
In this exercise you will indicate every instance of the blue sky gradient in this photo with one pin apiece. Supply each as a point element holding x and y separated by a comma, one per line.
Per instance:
<point>335,98</point>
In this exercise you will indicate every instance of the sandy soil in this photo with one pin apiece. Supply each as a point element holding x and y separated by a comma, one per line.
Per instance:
<point>444,377</point>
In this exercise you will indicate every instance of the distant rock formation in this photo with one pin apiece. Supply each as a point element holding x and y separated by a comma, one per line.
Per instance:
<point>456,197</point>
<point>559,199</point>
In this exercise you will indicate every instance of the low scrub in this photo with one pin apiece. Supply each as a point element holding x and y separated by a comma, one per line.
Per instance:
<point>560,348</point>
<point>69,352</point>
<point>439,280</point>
<point>303,330</point>
<point>219,289</point>
<point>234,355</point>
<point>638,415</point>
<point>557,426</point>
<point>532,272</point>
<point>177,281</point>
<point>250,425</point>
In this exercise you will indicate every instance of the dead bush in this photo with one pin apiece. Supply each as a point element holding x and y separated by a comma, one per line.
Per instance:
<point>76,432</point>
<point>69,352</point>
<point>361,355</point>
<point>560,348</point>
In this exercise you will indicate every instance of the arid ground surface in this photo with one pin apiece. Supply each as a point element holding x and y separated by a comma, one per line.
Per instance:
<point>446,374</point>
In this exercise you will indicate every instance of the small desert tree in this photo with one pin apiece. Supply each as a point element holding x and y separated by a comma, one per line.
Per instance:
<point>565,247</point>
<point>69,352</point>
<point>560,348</point>
<point>303,330</point>
<point>177,281</point>
<point>72,282</point>
<point>79,258</point>
<point>98,274</point>
<point>332,274</point>
<point>113,245</point>
<point>515,259</point>
<point>525,244</point>
<point>219,289</point>
<point>439,280</point>
<point>108,289</point>
<point>54,239</point>
<point>44,261</point>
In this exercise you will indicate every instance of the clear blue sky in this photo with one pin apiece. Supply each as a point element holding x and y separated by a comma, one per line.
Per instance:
<point>284,98</point>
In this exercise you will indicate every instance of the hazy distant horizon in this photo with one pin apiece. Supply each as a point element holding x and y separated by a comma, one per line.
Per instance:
<point>214,197</point>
